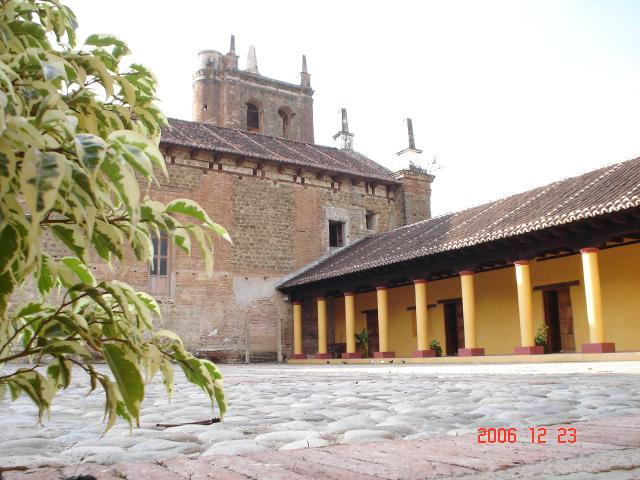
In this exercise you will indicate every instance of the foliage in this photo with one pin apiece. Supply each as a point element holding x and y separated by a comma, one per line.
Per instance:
<point>542,335</point>
<point>435,345</point>
<point>78,139</point>
<point>362,339</point>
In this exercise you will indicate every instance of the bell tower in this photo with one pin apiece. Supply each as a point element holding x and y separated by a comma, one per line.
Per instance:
<point>227,96</point>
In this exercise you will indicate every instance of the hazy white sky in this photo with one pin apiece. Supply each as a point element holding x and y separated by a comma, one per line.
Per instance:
<point>507,94</point>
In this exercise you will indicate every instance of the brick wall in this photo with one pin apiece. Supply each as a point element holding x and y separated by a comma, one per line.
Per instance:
<point>225,92</point>
<point>278,220</point>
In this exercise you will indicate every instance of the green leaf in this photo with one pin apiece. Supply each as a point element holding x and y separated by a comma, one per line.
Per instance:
<point>124,366</point>
<point>7,285</point>
<point>46,275</point>
<point>91,151</point>
<point>204,242</point>
<point>198,372</point>
<point>36,387</point>
<point>125,183</point>
<point>72,237</point>
<point>111,400</point>
<point>105,40</point>
<point>107,240</point>
<point>40,180</point>
<point>153,362</point>
<point>68,347</point>
<point>59,371</point>
<point>182,239</point>
<point>218,386</point>
<point>127,90</point>
<point>7,168</point>
<point>29,309</point>
<point>54,70</point>
<point>101,71</point>
<point>80,269</point>
<point>127,137</point>
<point>166,368</point>
<point>151,303</point>
<point>163,333</point>
<point>8,247</point>
<point>185,206</point>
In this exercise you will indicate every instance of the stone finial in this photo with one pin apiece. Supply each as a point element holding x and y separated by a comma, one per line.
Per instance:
<point>344,139</point>
<point>412,140</point>
<point>232,46</point>
<point>345,122</point>
<point>252,61</point>
<point>411,154</point>
<point>305,78</point>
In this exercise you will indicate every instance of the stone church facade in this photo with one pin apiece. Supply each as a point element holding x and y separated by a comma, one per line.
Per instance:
<point>249,159</point>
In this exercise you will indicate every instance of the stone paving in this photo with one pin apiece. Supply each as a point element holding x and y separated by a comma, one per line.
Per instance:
<point>273,407</point>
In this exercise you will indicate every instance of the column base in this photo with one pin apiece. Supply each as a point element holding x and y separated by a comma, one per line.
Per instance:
<point>384,354</point>
<point>471,352</point>
<point>598,347</point>
<point>298,356</point>
<point>348,355</point>
<point>535,350</point>
<point>423,353</point>
<point>322,356</point>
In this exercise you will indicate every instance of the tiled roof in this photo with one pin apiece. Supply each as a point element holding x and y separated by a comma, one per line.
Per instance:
<point>605,190</point>
<point>257,146</point>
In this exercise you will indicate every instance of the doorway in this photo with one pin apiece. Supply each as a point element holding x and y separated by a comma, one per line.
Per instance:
<point>453,326</point>
<point>372,328</point>
<point>558,317</point>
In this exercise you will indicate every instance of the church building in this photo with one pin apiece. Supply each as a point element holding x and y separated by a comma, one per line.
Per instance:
<point>249,158</point>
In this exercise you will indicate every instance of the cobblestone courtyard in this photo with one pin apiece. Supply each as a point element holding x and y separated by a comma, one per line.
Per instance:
<point>289,407</point>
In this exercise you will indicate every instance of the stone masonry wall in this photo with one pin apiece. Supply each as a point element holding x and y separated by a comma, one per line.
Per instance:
<point>220,98</point>
<point>278,221</point>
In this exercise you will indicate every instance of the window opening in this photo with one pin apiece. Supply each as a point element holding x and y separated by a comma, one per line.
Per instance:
<point>336,234</point>
<point>253,118</point>
<point>371,219</point>
<point>286,120</point>
<point>159,270</point>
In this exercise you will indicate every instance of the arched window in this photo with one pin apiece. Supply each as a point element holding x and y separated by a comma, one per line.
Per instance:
<point>286,121</point>
<point>253,118</point>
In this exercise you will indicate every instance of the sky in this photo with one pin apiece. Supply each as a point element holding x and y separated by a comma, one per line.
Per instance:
<point>506,95</point>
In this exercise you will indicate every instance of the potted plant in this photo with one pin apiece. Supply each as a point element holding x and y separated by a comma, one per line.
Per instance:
<point>435,345</point>
<point>542,337</point>
<point>362,339</point>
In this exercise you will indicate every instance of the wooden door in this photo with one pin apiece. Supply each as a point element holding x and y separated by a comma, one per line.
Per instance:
<point>558,317</point>
<point>454,326</point>
<point>565,315</point>
<point>552,320</point>
<point>372,327</point>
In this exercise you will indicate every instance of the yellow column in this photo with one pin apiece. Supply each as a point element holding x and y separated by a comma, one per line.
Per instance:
<point>592,291</point>
<point>469,314</point>
<point>383,323</point>
<point>322,327</point>
<point>350,321</point>
<point>420,286</point>
<point>525,309</point>
<point>594,303</point>
<point>297,328</point>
